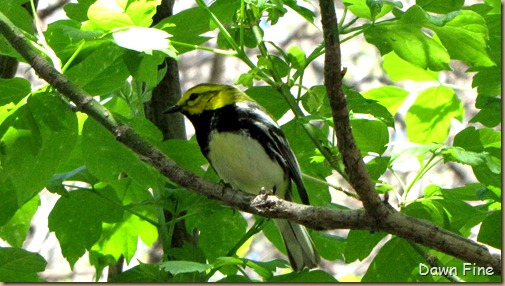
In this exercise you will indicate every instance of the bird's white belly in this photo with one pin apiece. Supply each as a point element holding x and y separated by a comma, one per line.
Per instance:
<point>243,163</point>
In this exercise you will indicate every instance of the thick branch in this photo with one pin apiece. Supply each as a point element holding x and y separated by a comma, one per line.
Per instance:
<point>321,218</point>
<point>354,165</point>
<point>388,219</point>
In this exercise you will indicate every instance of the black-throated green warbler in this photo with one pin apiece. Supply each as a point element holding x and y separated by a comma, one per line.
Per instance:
<point>248,150</point>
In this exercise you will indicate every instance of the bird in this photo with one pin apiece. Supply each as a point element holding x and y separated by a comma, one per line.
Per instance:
<point>249,152</point>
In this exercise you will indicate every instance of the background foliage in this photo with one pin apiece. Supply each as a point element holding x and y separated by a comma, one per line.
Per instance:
<point>108,199</point>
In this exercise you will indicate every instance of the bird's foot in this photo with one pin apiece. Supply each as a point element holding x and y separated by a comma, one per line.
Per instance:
<point>261,199</point>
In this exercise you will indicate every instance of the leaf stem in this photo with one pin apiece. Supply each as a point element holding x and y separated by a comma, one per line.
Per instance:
<point>72,58</point>
<point>212,50</point>
<point>338,188</point>
<point>424,169</point>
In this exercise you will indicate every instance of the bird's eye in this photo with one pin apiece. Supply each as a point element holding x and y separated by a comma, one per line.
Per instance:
<point>193,96</point>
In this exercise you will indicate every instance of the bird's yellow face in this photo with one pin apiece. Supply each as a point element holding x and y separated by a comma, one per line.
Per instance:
<point>207,96</point>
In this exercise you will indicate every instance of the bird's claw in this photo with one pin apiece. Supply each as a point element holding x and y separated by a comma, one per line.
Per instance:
<point>261,199</point>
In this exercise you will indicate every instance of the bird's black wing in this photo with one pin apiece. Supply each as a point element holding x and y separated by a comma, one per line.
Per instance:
<point>285,151</point>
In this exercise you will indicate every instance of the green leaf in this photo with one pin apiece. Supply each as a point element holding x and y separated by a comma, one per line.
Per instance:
<point>468,192</point>
<point>272,233</point>
<point>18,15</point>
<point>408,150</point>
<point>358,104</point>
<point>78,11</point>
<point>371,135</point>
<point>101,72</point>
<point>399,69</point>
<point>478,140</point>
<point>121,238</point>
<point>454,36</point>
<point>428,120</point>
<point>21,18</point>
<point>409,43</point>
<point>330,247</point>
<point>187,25</point>
<point>297,57</point>
<point>462,216</point>
<point>246,79</point>
<point>377,167</point>
<point>362,9</point>
<point>360,244</point>
<point>441,7</point>
<point>245,36</point>
<point>494,25</point>
<point>227,261</point>
<point>144,40</point>
<point>302,11</point>
<point>76,227</point>
<point>235,279</point>
<point>141,274</point>
<point>453,30</point>
<point>304,276</point>
<point>35,140</point>
<point>391,97</point>
<point>460,155</point>
<point>178,267</point>
<point>19,265</point>
<point>9,203</point>
<point>66,36</point>
<point>273,64</point>
<point>188,251</point>
<point>271,99</point>
<point>490,231</point>
<point>144,67</point>
<point>266,269</point>
<point>304,150</point>
<point>430,210</point>
<point>145,128</point>
<point>432,190</point>
<point>375,7</point>
<point>55,184</point>
<point>482,150</point>
<point>315,101</point>
<point>16,230</point>
<point>186,154</point>
<point>490,114</point>
<point>396,254</point>
<point>113,158</point>
<point>486,176</point>
<point>488,81</point>
<point>220,228</point>
<point>13,90</point>
<point>106,15</point>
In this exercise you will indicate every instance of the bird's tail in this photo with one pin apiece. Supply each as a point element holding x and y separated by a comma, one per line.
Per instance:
<point>299,245</point>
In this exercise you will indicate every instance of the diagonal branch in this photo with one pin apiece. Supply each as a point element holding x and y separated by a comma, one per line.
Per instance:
<point>320,218</point>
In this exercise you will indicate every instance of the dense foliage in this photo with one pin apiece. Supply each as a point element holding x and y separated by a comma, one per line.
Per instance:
<point>109,198</point>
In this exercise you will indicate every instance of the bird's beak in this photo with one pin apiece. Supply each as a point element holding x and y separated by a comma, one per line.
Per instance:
<point>172,109</point>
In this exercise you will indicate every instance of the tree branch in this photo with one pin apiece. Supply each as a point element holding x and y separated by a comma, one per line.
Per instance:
<point>321,218</point>
<point>354,165</point>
